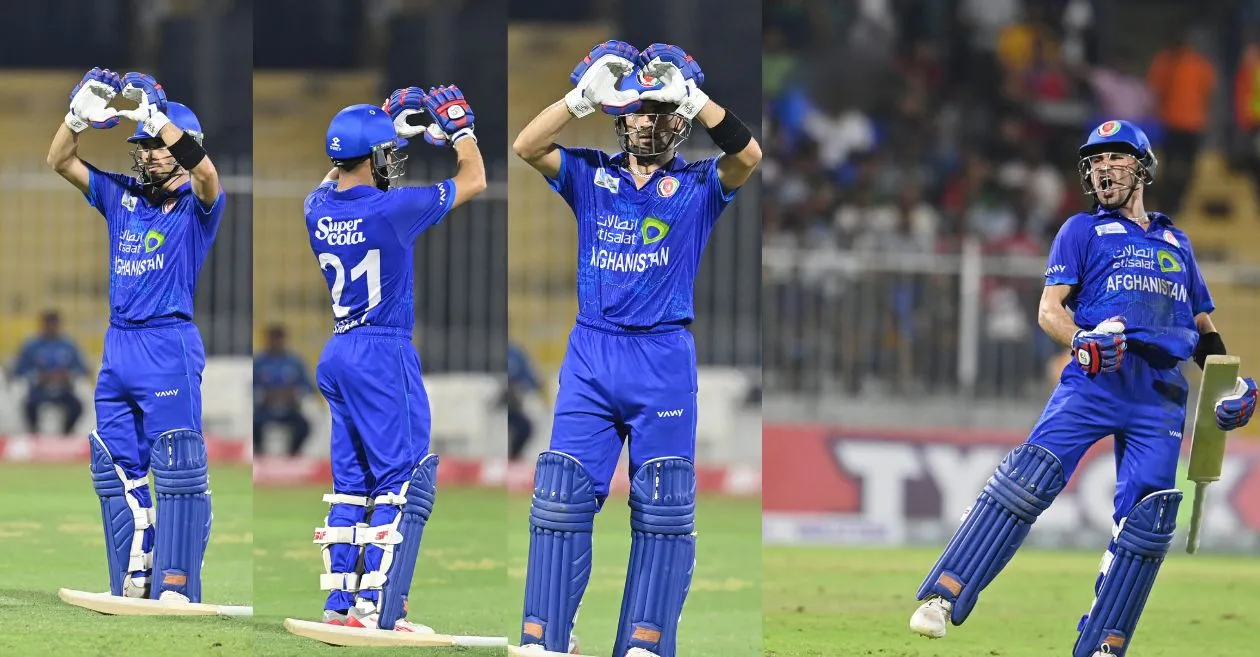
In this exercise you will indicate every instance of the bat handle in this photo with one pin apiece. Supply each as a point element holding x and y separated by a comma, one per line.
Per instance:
<point>1196,517</point>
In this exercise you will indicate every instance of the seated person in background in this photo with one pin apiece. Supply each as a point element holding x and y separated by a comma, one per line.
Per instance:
<point>280,383</point>
<point>51,363</point>
<point>521,381</point>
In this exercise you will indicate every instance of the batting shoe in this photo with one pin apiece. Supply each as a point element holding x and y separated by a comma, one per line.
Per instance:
<point>931,618</point>
<point>537,647</point>
<point>334,617</point>
<point>640,652</point>
<point>369,620</point>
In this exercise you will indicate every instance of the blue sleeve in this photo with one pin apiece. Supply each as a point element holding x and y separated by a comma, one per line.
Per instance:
<point>77,365</point>
<point>213,213</point>
<point>304,380</point>
<point>1200,298</point>
<point>1067,254</point>
<point>25,360</point>
<point>105,190</point>
<point>718,197</point>
<point>416,209</point>
<point>575,166</point>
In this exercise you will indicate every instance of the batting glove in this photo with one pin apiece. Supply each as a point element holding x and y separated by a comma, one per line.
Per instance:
<point>451,114</point>
<point>401,106</point>
<point>1235,411</point>
<point>89,98</point>
<point>151,112</point>
<point>673,88</point>
<point>676,56</point>
<point>1101,349</point>
<point>595,79</point>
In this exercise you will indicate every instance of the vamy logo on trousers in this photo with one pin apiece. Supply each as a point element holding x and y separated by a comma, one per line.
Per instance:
<point>674,413</point>
<point>167,393</point>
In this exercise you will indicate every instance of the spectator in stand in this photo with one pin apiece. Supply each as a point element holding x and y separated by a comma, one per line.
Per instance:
<point>521,380</point>
<point>1247,107</point>
<point>50,362</point>
<point>280,384</point>
<point>1181,80</point>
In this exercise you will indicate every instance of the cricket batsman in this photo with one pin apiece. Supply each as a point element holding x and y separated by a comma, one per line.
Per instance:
<point>1124,292</point>
<point>161,225</point>
<point>363,228</point>
<point>629,373</point>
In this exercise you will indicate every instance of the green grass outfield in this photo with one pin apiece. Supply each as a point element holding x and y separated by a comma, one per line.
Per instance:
<point>722,616</point>
<point>857,602</point>
<point>50,530</point>
<point>460,585</point>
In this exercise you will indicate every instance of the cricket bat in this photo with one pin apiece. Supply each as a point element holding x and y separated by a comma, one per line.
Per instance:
<point>1207,446</point>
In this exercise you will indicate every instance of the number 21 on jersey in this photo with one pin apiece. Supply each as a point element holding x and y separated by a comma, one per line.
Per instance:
<point>370,265</point>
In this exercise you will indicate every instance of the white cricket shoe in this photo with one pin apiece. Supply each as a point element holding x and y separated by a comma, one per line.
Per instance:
<point>932,617</point>
<point>369,620</point>
<point>538,647</point>
<point>640,652</point>
<point>172,596</point>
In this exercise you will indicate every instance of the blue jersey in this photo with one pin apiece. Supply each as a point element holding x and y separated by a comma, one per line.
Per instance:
<point>156,251</point>
<point>638,249</point>
<point>1149,277</point>
<point>364,240</point>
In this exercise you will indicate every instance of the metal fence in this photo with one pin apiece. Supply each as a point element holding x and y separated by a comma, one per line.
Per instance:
<point>55,253</point>
<point>460,273</point>
<point>860,334</point>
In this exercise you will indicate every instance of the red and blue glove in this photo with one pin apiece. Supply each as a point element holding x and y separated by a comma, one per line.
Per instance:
<point>595,80</point>
<point>1102,348</point>
<point>401,106</point>
<point>1235,411</point>
<point>451,114</point>
<point>676,56</point>
<point>89,100</point>
<point>135,84</point>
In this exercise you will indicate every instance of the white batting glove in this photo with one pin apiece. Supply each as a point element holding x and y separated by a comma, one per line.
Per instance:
<point>675,89</point>
<point>598,86</point>
<point>88,107</point>
<point>404,129</point>
<point>151,120</point>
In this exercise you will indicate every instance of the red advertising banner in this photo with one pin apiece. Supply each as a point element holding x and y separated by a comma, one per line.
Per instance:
<point>836,484</point>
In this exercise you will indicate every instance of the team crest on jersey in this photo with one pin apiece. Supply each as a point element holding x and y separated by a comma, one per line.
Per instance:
<point>666,186</point>
<point>1109,128</point>
<point>1171,239</point>
<point>606,180</point>
<point>168,205</point>
<point>129,202</point>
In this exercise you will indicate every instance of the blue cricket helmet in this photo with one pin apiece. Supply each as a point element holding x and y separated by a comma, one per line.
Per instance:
<point>1121,137</point>
<point>181,116</point>
<point>359,129</point>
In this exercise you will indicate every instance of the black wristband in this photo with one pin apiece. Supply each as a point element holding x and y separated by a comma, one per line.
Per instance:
<point>187,152</point>
<point>1210,344</point>
<point>730,134</point>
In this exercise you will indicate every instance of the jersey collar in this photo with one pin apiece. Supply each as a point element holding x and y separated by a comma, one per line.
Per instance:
<point>356,192</point>
<point>622,161</point>
<point>1156,218</point>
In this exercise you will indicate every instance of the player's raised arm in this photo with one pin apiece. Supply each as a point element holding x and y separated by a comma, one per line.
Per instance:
<point>741,153</point>
<point>88,102</point>
<point>680,79</point>
<point>453,125</point>
<point>594,82</point>
<point>184,147</point>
